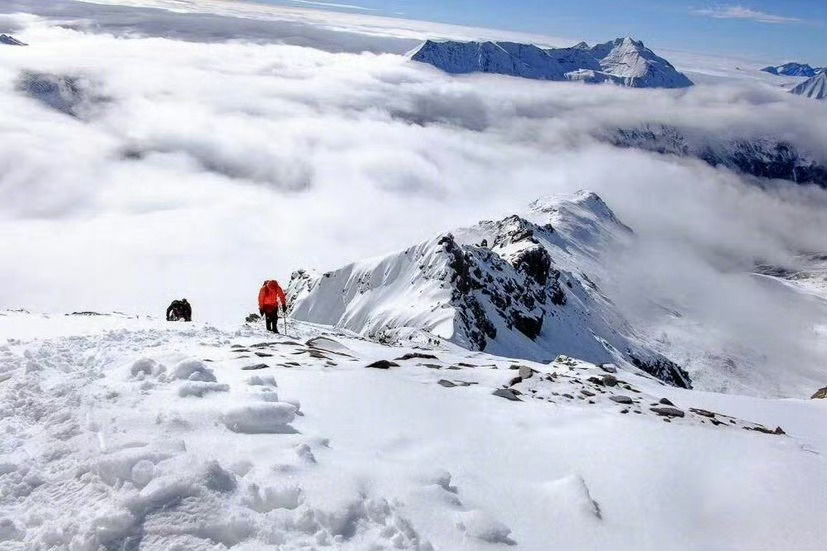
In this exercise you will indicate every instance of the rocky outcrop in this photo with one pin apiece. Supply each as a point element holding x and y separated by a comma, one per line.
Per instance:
<point>820,394</point>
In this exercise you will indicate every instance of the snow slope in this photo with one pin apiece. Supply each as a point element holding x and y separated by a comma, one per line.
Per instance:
<point>140,434</point>
<point>517,287</point>
<point>814,87</point>
<point>622,61</point>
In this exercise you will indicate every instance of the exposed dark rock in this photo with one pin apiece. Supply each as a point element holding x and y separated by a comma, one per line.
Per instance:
<point>621,399</point>
<point>668,411</point>
<point>535,263</point>
<point>263,354</point>
<point>665,370</point>
<point>665,402</point>
<point>446,383</point>
<point>530,326</point>
<point>526,372</point>
<point>585,392</point>
<point>382,364</point>
<point>609,380</point>
<point>703,412</point>
<point>820,394</point>
<point>252,318</point>
<point>254,367</point>
<point>507,393</point>
<point>608,368</point>
<point>413,355</point>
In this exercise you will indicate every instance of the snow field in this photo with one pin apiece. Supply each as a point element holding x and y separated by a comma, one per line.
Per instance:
<point>103,450</point>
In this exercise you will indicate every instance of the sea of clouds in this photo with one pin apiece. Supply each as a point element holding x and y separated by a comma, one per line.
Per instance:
<point>147,155</point>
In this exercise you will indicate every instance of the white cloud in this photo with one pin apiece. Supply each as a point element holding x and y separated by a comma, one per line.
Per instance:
<point>742,12</point>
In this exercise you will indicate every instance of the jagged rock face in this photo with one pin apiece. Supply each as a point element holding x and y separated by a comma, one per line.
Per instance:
<point>524,296</point>
<point>764,158</point>
<point>622,61</point>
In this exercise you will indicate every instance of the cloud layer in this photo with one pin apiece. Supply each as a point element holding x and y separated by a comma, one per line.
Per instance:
<point>742,12</point>
<point>199,169</point>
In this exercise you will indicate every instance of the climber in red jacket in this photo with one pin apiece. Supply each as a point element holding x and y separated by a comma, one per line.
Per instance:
<point>270,297</point>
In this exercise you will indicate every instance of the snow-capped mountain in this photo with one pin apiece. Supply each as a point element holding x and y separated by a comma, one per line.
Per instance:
<point>767,157</point>
<point>621,61</point>
<point>10,40</point>
<point>793,69</point>
<point>517,287</point>
<point>814,87</point>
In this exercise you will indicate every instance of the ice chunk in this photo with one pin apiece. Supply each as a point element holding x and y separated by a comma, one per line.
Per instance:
<point>261,380</point>
<point>142,472</point>
<point>194,370</point>
<point>260,418</point>
<point>200,388</point>
<point>482,526</point>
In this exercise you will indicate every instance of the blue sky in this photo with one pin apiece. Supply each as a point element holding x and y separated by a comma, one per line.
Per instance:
<point>775,31</point>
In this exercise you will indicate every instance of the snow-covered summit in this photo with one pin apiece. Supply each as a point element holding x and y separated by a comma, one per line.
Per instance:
<point>623,61</point>
<point>517,287</point>
<point>10,40</point>
<point>814,87</point>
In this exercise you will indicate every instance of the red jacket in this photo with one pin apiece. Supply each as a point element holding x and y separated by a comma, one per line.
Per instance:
<point>271,296</point>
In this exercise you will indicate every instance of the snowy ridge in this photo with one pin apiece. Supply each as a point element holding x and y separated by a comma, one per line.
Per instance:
<point>622,61</point>
<point>517,287</point>
<point>814,87</point>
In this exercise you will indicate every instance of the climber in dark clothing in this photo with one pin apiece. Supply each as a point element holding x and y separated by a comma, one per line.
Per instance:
<point>179,310</point>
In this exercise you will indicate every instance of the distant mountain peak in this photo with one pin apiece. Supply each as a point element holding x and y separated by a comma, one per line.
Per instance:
<point>624,61</point>
<point>793,69</point>
<point>10,40</point>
